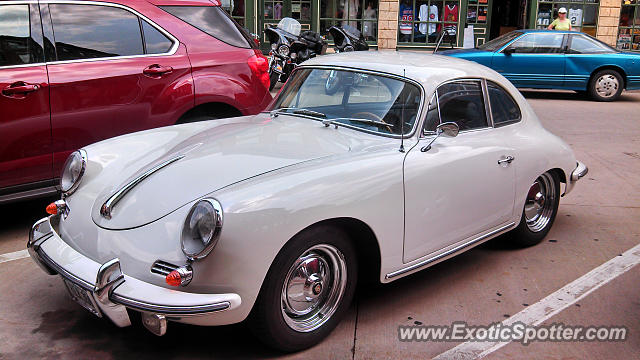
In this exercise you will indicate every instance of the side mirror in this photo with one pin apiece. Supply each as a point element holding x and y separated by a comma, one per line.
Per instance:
<point>508,51</point>
<point>448,129</point>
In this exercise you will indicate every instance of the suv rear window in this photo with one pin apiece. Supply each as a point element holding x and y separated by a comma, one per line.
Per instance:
<point>211,20</point>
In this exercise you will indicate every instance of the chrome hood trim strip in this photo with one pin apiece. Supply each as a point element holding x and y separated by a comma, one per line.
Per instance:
<point>108,205</point>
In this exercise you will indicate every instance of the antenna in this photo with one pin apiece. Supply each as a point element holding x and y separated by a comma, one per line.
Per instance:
<point>404,73</point>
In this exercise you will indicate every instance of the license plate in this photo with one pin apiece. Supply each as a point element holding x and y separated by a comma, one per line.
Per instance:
<point>82,297</point>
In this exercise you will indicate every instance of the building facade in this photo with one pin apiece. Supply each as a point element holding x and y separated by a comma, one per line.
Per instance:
<point>415,24</point>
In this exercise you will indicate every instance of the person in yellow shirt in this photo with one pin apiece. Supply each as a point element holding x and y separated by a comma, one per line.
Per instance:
<point>561,22</point>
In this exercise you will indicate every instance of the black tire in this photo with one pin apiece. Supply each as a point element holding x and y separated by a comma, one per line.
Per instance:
<point>606,85</point>
<point>267,319</point>
<point>332,84</point>
<point>527,233</point>
<point>273,80</point>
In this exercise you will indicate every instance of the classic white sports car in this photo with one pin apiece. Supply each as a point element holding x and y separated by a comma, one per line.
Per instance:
<point>367,165</point>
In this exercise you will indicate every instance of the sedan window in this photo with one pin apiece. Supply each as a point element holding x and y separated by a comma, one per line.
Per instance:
<point>538,43</point>
<point>462,102</point>
<point>581,44</point>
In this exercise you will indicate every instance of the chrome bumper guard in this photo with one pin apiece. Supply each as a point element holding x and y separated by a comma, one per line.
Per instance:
<point>108,278</point>
<point>580,171</point>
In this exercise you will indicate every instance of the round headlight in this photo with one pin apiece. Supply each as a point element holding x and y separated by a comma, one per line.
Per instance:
<point>283,50</point>
<point>201,228</point>
<point>72,172</point>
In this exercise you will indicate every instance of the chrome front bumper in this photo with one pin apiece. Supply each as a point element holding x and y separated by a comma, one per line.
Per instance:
<point>111,290</point>
<point>580,171</point>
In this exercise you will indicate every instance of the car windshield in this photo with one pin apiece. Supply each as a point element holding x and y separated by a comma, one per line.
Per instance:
<point>368,102</point>
<point>500,41</point>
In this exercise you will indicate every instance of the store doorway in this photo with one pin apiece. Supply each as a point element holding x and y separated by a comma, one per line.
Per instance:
<point>508,15</point>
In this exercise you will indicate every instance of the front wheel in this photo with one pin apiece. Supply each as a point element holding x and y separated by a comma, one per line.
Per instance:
<point>273,79</point>
<point>540,209</point>
<point>606,85</point>
<point>308,289</point>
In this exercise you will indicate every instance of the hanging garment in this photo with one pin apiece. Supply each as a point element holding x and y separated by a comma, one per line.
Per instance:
<point>451,16</point>
<point>428,13</point>
<point>406,17</point>
<point>575,15</point>
<point>368,27</point>
<point>350,11</point>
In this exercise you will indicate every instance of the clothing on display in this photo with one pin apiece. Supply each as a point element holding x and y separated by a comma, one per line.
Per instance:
<point>575,15</point>
<point>451,15</point>
<point>428,13</point>
<point>406,16</point>
<point>368,27</point>
<point>350,12</point>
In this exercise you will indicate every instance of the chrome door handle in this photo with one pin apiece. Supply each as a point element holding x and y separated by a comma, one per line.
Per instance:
<point>507,160</point>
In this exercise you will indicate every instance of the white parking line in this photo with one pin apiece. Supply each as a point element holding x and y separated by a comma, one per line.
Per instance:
<point>14,256</point>
<point>566,296</point>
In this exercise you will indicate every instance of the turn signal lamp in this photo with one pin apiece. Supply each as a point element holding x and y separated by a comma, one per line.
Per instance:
<point>180,277</point>
<point>174,278</point>
<point>52,209</point>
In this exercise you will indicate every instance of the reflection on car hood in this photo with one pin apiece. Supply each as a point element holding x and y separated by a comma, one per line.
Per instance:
<point>213,155</point>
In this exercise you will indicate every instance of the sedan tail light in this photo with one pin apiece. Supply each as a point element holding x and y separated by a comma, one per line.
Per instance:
<point>260,67</point>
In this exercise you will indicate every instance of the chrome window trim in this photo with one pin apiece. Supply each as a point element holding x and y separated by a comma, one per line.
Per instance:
<point>172,50</point>
<point>419,115</point>
<point>510,122</point>
<point>487,103</point>
<point>435,93</point>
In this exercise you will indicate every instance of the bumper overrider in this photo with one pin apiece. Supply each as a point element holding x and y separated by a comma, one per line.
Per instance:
<point>106,292</point>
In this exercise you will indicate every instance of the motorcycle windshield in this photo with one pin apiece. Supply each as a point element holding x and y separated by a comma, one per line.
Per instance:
<point>351,31</point>
<point>290,25</point>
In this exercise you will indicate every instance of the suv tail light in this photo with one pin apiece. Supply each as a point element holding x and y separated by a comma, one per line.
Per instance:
<point>260,67</point>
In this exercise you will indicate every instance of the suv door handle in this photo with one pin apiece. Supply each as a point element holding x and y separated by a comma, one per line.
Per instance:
<point>157,70</point>
<point>506,160</point>
<point>20,88</point>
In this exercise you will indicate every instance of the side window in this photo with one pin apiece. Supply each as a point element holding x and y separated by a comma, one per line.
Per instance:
<point>503,107</point>
<point>538,43</point>
<point>462,102</point>
<point>155,42</point>
<point>433,118</point>
<point>17,43</point>
<point>94,31</point>
<point>583,45</point>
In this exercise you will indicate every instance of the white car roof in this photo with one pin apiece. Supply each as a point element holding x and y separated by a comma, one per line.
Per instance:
<point>428,69</point>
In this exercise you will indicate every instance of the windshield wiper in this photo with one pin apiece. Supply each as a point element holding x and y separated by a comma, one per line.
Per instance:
<point>328,122</point>
<point>297,111</point>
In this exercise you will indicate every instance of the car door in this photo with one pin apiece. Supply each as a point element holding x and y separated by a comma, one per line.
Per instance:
<point>456,190</point>
<point>116,72</point>
<point>25,130</point>
<point>535,60</point>
<point>583,56</point>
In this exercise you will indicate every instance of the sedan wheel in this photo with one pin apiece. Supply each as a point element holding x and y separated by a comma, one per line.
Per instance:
<point>540,209</point>
<point>307,290</point>
<point>606,85</point>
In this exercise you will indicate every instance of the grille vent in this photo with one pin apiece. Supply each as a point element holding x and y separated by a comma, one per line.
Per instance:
<point>162,267</point>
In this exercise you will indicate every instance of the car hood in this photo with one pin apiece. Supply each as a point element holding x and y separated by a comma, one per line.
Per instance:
<point>208,156</point>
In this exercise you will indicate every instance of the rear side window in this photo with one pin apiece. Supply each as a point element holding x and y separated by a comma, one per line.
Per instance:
<point>17,45</point>
<point>94,31</point>
<point>155,41</point>
<point>503,108</point>
<point>211,20</point>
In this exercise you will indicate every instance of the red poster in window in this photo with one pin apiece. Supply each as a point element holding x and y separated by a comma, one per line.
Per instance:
<point>483,1</point>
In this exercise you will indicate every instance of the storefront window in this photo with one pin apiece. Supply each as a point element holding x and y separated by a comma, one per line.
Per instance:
<point>362,14</point>
<point>236,9</point>
<point>582,13</point>
<point>629,30</point>
<point>421,21</point>
<point>478,15</point>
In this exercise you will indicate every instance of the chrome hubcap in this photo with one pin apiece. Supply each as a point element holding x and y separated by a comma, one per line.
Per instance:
<point>314,287</point>
<point>607,85</point>
<point>539,205</point>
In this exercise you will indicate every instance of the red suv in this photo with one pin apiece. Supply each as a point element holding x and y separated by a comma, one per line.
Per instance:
<point>75,72</point>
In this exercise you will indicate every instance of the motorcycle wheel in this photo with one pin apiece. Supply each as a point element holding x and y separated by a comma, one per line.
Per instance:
<point>273,79</point>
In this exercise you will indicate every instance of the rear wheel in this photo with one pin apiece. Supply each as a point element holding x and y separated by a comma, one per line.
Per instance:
<point>308,289</point>
<point>606,85</point>
<point>540,209</point>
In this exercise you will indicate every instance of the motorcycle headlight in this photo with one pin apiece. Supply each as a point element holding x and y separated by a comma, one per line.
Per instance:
<point>201,229</point>
<point>283,50</point>
<point>72,172</point>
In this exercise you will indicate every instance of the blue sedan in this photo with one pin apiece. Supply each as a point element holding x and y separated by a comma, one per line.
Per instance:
<point>550,59</point>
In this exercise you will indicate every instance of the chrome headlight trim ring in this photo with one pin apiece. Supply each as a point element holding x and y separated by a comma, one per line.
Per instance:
<point>218,219</point>
<point>74,186</point>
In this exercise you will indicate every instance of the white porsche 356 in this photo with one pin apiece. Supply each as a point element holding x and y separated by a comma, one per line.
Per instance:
<point>366,165</point>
